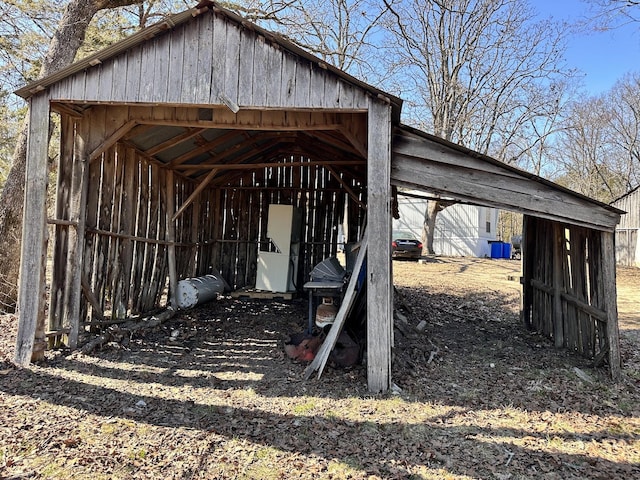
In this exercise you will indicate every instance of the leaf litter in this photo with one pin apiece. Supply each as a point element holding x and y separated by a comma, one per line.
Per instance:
<point>211,394</point>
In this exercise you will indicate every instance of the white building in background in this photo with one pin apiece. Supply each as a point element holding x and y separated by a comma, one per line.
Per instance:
<point>461,230</point>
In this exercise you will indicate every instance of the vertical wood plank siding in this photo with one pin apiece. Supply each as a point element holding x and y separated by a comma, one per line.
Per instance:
<point>126,244</point>
<point>627,237</point>
<point>566,301</point>
<point>198,62</point>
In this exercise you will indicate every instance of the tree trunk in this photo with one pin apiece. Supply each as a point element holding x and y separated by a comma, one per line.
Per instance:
<point>11,202</point>
<point>429,224</point>
<point>64,45</point>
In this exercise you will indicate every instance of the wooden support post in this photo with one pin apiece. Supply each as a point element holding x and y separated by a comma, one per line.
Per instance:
<point>527,256</point>
<point>75,256</point>
<point>608,259</point>
<point>34,231</point>
<point>558,278</point>
<point>195,229</point>
<point>379,275</point>
<point>171,237</point>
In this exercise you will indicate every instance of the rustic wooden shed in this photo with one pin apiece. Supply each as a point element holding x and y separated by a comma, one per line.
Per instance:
<point>175,141</point>
<point>628,230</point>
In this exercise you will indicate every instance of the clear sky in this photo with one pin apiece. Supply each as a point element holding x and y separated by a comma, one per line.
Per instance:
<point>603,57</point>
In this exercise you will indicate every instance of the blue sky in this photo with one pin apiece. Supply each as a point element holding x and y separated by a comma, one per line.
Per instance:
<point>603,57</point>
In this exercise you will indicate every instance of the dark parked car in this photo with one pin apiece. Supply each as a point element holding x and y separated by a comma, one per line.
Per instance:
<point>405,245</point>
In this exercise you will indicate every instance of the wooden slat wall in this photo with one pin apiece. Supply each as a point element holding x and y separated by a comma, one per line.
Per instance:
<point>204,60</point>
<point>232,246</point>
<point>630,203</point>
<point>124,264</point>
<point>581,317</point>
<point>61,235</point>
<point>125,250</point>
<point>628,230</point>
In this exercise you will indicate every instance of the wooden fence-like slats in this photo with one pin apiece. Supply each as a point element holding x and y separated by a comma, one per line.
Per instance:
<point>142,201</point>
<point>60,243</point>
<point>125,253</point>
<point>128,216</point>
<point>571,300</point>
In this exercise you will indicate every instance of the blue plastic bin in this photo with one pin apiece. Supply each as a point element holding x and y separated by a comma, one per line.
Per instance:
<point>496,249</point>
<point>506,250</point>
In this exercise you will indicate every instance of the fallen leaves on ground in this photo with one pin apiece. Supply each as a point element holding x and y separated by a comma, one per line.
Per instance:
<point>211,394</point>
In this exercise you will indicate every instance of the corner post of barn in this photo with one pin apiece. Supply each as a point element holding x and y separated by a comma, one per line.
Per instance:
<point>608,259</point>
<point>379,275</point>
<point>34,236</point>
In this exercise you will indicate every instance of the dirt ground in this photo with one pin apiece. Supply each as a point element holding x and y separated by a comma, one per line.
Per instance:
<point>210,394</point>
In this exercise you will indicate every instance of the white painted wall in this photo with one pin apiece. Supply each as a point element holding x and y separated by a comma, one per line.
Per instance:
<point>461,230</point>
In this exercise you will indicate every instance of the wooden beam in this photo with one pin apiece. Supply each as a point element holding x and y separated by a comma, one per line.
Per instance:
<point>558,279</point>
<point>423,163</point>
<point>203,148</point>
<point>527,255</point>
<point>358,145</point>
<point>67,109</point>
<point>34,231</point>
<point>608,258</point>
<point>327,138</point>
<point>109,142</point>
<point>195,193</point>
<point>171,237</point>
<point>91,297</point>
<point>77,212</point>
<point>379,276</point>
<point>345,186</point>
<point>250,166</point>
<point>134,238</point>
<point>190,133</point>
<point>286,127</point>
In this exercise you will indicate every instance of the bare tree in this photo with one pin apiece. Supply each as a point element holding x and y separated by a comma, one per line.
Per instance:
<point>599,145</point>
<point>624,103</point>
<point>341,32</point>
<point>477,72</point>
<point>609,14</point>
<point>63,46</point>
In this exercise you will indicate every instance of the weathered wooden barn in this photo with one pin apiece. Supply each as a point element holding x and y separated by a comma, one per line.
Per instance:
<point>628,231</point>
<point>175,141</point>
